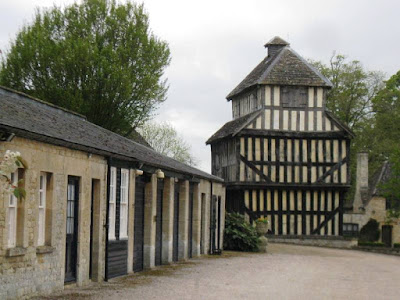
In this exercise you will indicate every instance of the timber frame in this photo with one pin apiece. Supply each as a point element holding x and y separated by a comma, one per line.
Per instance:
<point>284,156</point>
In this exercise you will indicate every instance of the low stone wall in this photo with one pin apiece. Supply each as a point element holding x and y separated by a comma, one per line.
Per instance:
<point>320,241</point>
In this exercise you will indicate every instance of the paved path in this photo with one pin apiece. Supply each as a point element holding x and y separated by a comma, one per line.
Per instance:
<point>286,272</point>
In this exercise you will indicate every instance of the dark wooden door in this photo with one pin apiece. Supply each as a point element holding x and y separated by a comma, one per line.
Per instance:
<point>159,220</point>
<point>175,242</point>
<point>213,223</point>
<point>190,233</point>
<point>71,245</point>
<point>387,235</point>
<point>202,205</point>
<point>139,224</point>
<point>91,232</point>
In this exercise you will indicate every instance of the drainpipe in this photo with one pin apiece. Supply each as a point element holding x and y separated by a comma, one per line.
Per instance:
<point>107,216</point>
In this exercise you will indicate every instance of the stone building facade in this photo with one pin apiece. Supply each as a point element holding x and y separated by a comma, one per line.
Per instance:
<point>370,203</point>
<point>66,238</point>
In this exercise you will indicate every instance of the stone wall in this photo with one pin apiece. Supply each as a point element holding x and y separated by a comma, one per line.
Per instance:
<point>28,269</point>
<point>331,242</point>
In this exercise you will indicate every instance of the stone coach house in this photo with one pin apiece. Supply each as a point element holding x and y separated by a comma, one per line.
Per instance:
<point>97,204</point>
<point>284,156</point>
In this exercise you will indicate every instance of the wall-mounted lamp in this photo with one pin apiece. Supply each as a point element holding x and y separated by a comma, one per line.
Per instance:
<point>89,155</point>
<point>176,180</point>
<point>138,172</point>
<point>160,174</point>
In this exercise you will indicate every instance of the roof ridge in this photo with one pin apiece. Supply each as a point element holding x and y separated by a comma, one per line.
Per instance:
<point>275,60</point>
<point>42,101</point>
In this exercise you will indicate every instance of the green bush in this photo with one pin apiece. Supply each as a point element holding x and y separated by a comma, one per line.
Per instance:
<point>396,245</point>
<point>370,232</point>
<point>371,244</point>
<point>239,235</point>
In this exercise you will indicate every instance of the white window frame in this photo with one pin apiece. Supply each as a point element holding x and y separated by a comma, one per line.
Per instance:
<point>124,201</point>
<point>42,209</point>
<point>12,207</point>
<point>112,203</point>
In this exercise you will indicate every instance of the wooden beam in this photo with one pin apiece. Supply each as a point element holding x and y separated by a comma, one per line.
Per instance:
<point>332,170</point>
<point>255,169</point>
<point>293,134</point>
<point>328,218</point>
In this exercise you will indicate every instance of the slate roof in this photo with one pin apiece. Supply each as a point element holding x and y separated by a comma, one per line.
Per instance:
<point>381,176</point>
<point>35,119</point>
<point>233,127</point>
<point>285,67</point>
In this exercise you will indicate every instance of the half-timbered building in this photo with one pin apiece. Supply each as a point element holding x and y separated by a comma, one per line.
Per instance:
<point>284,156</point>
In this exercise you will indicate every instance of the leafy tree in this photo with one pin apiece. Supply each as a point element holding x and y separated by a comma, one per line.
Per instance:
<point>164,139</point>
<point>98,58</point>
<point>385,139</point>
<point>350,99</point>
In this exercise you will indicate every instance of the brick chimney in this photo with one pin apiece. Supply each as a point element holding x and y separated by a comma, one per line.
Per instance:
<point>275,45</point>
<point>361,195</point>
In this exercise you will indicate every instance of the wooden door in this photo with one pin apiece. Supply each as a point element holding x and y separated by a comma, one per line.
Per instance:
<point>213,223</point>
<point>139,224</point>
<point>387,235</point>
<point>175,253</point>
<point>71,245</point>
<point>159,220</point>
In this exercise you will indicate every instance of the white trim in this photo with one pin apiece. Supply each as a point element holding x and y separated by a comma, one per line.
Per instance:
<point>124,200</point>
<point>42,208</point>
<point>112,203</point>
<point>12,206</point>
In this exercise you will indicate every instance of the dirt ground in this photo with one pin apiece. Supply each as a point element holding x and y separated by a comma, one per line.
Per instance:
<point>285,272</point>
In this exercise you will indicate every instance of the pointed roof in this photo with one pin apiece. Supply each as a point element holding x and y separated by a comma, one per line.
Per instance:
<point>283,67</point>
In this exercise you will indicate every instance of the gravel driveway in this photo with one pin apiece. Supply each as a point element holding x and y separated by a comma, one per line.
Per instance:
<point>286,272</point>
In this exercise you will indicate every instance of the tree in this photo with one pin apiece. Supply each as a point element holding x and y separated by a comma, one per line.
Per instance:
<point>385,139</point>
<point>350,99</point>
<point>98,58</point>
<point>164,139</point>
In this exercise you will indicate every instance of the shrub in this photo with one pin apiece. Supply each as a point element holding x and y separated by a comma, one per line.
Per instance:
<point>370,232</point>
<point>371,244</point>
<point>396,245</point>
<point>239,235</point>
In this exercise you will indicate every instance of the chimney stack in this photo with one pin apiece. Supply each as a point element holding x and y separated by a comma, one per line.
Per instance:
<point>361,195</point>
<point>275,45</point>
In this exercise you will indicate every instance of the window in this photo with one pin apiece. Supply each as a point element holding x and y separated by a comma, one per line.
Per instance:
<point>42,208</point>
<point>112,203</point>
<point>350,229</point>
<point>294,96</point>
<point>12,214</point>
<point>123,229</point>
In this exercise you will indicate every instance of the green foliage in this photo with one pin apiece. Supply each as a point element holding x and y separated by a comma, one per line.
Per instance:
<point>351,101</point>
<point>164,139</point>
<point>370,232</point>
<point>98,58</point>
<point>396,245</point>
<point>371,244</point>
<point>262,220</point>
<point>239,235</point>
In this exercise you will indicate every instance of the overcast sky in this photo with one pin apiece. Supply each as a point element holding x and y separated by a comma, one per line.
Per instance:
<point>215,44</point>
